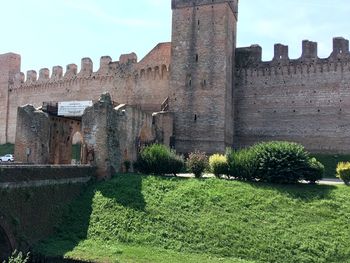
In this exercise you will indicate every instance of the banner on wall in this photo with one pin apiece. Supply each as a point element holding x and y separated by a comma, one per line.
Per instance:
<point>73,108</point>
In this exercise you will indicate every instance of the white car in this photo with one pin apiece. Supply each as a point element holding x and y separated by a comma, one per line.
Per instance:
<point>7,158</point>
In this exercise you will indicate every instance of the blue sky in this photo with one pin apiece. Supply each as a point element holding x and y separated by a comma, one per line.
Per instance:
<point>59,32</point>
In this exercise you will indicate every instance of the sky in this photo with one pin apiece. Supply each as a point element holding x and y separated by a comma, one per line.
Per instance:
<point>60,32</point>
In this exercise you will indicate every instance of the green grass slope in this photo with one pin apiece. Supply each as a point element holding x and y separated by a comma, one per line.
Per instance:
<point>152,219</point>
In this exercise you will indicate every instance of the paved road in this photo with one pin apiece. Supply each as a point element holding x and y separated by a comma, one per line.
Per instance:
<point>331,181</point>
<point>326,181</point>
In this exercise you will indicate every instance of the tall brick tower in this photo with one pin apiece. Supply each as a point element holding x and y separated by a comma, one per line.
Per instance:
<point>10,64</point>
<point>201,81</point>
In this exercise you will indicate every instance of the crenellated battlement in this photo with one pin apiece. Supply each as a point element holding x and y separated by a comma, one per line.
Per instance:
<point>126,67</point>
<point>250,59</point>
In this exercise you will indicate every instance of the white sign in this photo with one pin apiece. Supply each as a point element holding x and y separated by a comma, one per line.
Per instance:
<point>73,108</point>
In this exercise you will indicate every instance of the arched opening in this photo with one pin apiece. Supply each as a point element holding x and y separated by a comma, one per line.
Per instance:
<point>5,245</point>
<point>77,143</point>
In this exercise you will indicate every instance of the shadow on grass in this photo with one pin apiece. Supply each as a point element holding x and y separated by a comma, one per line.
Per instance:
<point>127,191</point>
<point>306,192</point>
<point>74,225</point>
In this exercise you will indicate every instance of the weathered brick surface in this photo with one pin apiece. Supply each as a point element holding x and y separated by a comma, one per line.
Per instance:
<point>115,134</point>
<point>32,136</point>
<point>30,173</point>
<point>203,43</point>
<point>305,100</point>
<point>110,135</point>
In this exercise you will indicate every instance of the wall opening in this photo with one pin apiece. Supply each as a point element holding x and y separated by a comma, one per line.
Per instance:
<point>77,142</point>
<point>5,246</point>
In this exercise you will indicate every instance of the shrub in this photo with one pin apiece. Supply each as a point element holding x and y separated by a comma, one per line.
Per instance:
<point>176,164</point>
<point>343,172</point>
<point>280,162</point>
<point>274,162</point>
<point>197,162</point>
<point>242,164</point>
<point>158,159</point>
<point>314,172</point>
<point>218,164</point>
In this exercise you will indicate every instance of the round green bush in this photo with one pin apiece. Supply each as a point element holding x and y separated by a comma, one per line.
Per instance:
<point>159,159</point>
<point>274,162</point>
<point>197,162</point>
<point>218,164</point>
<point>280,162</point>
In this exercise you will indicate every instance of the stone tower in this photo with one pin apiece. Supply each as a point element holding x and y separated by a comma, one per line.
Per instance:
<point>10,64</point>
<point>201,81</point>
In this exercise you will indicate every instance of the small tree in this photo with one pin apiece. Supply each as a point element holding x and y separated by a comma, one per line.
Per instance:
<point>218,164</point>
<point>343,172</point>
<point>197,162</point>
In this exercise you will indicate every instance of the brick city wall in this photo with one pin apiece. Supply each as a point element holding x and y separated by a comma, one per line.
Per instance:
<point>306,100</point>
<point>143,83</point>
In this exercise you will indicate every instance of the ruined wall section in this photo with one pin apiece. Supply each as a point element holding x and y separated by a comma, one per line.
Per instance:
<point>114,134</point>
<point>306,100</point>
<point>145,84</point>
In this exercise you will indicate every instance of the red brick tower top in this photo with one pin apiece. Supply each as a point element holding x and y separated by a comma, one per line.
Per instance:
<point>188,3</point>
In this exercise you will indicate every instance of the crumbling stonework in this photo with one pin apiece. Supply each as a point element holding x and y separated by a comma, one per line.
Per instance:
<point>115,135</point>
<point>32,136</point>
<point>111,135</point>
<point>44,139</point>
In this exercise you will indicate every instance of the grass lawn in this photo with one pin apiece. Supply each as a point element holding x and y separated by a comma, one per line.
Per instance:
<point>134,218</point>
<point>330,162</point>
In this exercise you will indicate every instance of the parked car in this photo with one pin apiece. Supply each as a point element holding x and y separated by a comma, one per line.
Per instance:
<point>7,158</point>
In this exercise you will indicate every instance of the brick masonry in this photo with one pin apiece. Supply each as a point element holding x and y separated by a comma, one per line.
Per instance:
<point>219,95</point>
<point>306,100</point>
